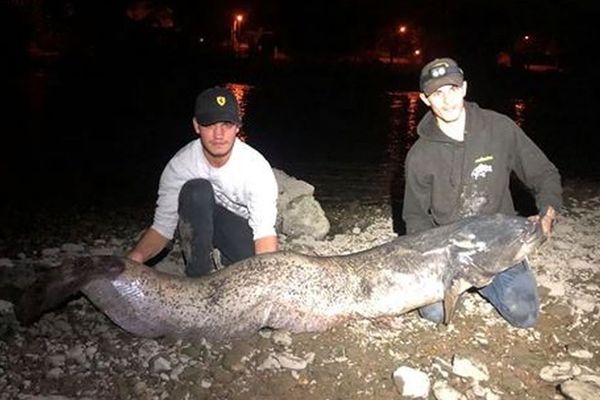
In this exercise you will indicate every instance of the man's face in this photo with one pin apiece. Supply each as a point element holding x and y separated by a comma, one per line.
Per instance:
<point>447,102</point>
<point>217,139</point>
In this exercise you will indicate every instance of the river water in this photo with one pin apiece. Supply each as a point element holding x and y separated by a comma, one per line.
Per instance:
<point>84,135</point>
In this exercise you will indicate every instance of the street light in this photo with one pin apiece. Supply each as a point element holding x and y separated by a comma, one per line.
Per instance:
<point>236,30</point>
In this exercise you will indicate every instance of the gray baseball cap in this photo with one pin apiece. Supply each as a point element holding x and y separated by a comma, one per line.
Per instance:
<point>438,73</point>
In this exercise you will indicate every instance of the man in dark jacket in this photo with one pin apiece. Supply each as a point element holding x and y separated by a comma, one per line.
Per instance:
<point>461,166</point>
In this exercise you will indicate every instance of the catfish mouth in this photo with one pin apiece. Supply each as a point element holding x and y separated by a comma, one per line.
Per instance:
<point>534,233</point>
<point>532,237</point>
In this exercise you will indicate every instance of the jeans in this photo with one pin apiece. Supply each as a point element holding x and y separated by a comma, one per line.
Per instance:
<point>513,293</point>
<point>205,225</point>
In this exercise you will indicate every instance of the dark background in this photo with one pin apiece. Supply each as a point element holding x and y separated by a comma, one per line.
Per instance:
<point>97,102</point>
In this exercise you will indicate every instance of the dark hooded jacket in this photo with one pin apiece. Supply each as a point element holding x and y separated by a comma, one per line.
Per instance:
<point>447,180</point>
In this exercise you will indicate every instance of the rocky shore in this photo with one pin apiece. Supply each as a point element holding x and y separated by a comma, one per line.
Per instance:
<point>77,353</point>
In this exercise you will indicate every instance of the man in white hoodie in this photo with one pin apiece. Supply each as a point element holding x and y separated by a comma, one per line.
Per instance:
<point>217,191</point>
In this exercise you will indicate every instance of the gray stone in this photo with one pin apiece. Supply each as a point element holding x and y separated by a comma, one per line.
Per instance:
<point>578,390</point>
<point>160,365</point>
<point>6,262</point>
<point>559,371</point>
<point>72,248</point>
<point>468,368</point>
<point>411,382</point>
<point>443,391</point>
<point>298,212</point>
<point>304,217</point>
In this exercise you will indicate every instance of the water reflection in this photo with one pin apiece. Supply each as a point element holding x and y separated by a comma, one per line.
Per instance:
<point>241,91</point>
<point>364,144</point>
<point>404,111</point>
<point>404,118</point>
<point>37,91</point>
<point>349,141</point>
<point>519,109</point>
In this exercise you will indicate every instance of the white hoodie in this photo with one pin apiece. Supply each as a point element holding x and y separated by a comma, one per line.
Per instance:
<point>245,185</point>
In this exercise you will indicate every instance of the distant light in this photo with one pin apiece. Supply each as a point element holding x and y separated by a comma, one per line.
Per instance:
<point>201,40</point>
<point>239,17</point>
<point>526,37</point>
<point>402,29</point>
<point>417,52</point>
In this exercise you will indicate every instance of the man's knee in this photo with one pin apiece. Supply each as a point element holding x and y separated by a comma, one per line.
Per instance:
<point>522,312</point>
<point>524,321</point>
<point>521,299</point>
<point>196,192</point>
<point>514,294</point>
<point>433,312</point>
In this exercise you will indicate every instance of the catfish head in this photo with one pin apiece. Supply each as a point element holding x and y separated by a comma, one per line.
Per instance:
<point>481,247</point>
<point>487,245</point>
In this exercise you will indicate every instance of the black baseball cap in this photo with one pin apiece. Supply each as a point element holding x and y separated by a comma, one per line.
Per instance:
<point>217,104</point>
<point>438,73</point>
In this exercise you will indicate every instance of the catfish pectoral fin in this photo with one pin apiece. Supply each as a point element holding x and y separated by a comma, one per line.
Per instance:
<point>451,296</point>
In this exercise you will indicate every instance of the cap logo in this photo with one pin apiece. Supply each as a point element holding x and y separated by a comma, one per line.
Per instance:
<point>438,70</point>
<point>221,100</point>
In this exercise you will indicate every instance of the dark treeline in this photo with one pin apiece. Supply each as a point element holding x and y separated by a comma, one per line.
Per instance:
<point>465,28</point>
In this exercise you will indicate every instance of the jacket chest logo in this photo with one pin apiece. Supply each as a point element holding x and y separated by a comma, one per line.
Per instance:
<point>483,167</point>
<point>481,171</point>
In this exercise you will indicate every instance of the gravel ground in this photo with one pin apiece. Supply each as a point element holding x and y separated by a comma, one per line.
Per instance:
<point>77,353</point>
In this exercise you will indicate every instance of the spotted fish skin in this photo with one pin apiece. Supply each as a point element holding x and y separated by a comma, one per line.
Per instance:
<point>301,293</point>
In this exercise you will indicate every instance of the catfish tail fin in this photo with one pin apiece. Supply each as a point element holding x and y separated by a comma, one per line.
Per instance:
<point>14,280</point>
<point>54,286</point>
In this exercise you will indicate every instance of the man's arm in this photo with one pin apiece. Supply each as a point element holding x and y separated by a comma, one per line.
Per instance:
<point>262,206</point>
<point>265,244</point>
<point>148,246</point>
<point>417,195</point>
<point>537,172</point>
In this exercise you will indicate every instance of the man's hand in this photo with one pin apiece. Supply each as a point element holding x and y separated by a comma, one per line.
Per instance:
<point>136,256</point>
<point>149,245</point>
<point>265,244</point>
<point>546,221</point>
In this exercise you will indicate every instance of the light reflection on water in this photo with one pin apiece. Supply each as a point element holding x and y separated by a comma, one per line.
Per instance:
<point>348,140</point>
<point>240,91</point>
<point>404,118</point>
<point>405,110</point>
<point>373,182</point>
<point>519,108</point>
<point>370,182</point>
<point>379,181</point>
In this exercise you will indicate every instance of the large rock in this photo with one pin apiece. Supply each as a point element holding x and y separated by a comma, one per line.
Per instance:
<point>298,212</point>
